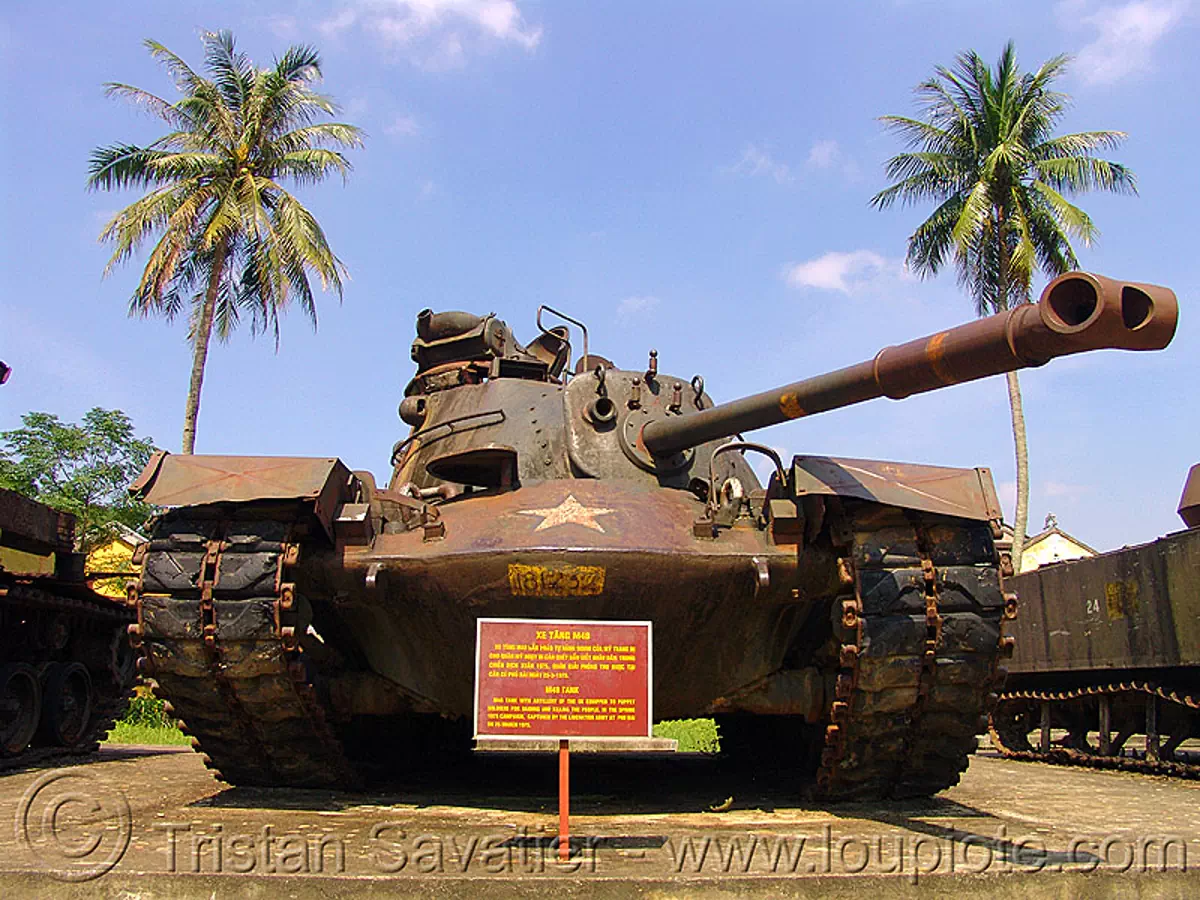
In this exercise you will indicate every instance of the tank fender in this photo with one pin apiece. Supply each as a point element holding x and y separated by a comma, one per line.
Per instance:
<point>963,493</point>
<point>198,480</point>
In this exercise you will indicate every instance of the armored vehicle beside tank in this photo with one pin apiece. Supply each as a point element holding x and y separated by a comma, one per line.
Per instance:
<point>66,667</point>
<point>1108,647</point>
<point>309,625</point>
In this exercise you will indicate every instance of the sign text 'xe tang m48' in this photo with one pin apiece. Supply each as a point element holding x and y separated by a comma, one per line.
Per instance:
<point>556,678</point>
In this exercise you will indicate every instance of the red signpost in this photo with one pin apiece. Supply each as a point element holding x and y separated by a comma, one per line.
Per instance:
<point>562,679</point>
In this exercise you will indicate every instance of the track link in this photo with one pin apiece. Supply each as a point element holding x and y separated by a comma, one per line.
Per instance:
<point>219,626</point>
<point>921,639</point>
<point>1009,728</point>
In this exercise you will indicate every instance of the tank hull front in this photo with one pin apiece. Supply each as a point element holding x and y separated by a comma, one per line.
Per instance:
<point>724,611</point>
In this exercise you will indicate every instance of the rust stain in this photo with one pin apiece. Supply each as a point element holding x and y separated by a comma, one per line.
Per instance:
<point>191,480</point>
<point>935,352</point>
<point>555,581</point>
<point>789,405</point>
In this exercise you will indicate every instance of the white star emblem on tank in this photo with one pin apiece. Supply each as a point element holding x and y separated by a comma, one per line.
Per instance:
<point>569,512</point>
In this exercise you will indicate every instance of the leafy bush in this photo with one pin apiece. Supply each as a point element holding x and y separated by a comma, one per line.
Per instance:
<point>146,722</point>
<point>147,710</point>
<point>694,735</point>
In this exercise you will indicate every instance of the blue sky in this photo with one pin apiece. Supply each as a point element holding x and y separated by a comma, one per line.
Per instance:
<point>692,177</point>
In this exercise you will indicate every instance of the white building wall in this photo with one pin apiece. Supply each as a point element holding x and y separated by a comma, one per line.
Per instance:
<point>1051,548</point>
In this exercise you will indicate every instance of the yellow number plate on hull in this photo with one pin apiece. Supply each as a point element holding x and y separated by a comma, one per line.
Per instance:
<point>555,581</point>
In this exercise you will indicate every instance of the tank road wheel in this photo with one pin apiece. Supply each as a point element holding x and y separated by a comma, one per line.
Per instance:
<point>122,659</point>
<point>20,707</point>
<point>1076,717</point>
<point>66,705</point>
<point>1010,724</point>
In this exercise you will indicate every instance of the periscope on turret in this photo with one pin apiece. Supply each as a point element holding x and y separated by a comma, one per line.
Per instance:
<point>850,614</point>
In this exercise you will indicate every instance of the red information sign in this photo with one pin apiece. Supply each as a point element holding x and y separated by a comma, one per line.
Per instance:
<point>539,678</point>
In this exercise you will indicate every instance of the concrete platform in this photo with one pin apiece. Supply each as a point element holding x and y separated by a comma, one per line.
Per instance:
<point>152,822</point>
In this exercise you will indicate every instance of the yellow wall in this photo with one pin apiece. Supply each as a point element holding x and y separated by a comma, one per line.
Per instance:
<point>115,556</point>
<point>26,563</point>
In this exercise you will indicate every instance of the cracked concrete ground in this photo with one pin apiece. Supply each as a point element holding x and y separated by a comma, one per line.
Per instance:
<point>152,822</point>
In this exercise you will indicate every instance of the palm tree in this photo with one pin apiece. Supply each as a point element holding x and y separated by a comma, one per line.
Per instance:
<point>229,240</point>
<point>985,152</point>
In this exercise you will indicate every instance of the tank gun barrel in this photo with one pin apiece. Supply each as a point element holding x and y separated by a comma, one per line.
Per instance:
<point>1077,312</point>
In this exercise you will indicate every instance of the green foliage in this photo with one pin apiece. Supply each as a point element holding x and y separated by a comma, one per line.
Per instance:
<point>146,722</point>
<point>147,711</point>
<point>81,468</point>
<point>125,733</point>
<point>694,735</point>
<point>228,240</point>
<point>985,152</point>
<point>214,183</point>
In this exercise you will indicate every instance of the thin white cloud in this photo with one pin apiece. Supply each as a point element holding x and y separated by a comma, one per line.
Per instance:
<point>337,23</point>
<point>283,27</point>
<point>757,161</point>
<point>435,33</point>
<point>635,307</point>
<point>827,155</point>
<point>1064,489</point>
<point>823,154</point>
<point>402,126</point>
<point>1127,35</point>
<point>848,273</point>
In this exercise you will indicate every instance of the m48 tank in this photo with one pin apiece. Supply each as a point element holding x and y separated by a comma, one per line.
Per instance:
<point>1108,647</point>
<point>309,625</point>
<point>66,668</point>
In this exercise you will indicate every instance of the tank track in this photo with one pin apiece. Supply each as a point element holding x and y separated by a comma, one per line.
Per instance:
<point>920,641</point>
<point>104,621</point>
<point>220,628</point>
<point>1009,729</point>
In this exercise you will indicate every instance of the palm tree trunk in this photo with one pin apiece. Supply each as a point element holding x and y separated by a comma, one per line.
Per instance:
<point>200,350</point>
<point>1018,427</point>
<point>1021,516</point>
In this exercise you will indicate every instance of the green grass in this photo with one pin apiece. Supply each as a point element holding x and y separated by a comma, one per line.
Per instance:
<point>694,735</point>
<point>125,733</point>
<point>146,722</point>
